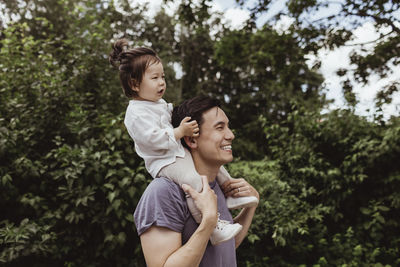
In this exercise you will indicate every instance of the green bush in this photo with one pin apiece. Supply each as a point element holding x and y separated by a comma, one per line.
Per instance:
<point>329,193</point>
<point>69,176</point>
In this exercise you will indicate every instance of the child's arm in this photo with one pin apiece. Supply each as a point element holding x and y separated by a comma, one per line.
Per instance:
<point>149,135</point>
<point>186,128</point>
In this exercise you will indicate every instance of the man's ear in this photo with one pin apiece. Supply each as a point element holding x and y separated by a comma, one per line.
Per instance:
<point>190,141</point>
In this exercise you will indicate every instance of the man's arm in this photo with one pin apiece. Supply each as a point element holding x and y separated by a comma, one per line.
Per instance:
<point>244,218</point>
<point>163,247</point>
<point>246,215</point>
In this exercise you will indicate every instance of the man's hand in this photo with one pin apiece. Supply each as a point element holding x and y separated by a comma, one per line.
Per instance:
<point>239,188</point>
<point>206,201</point>
<point>187,128</point>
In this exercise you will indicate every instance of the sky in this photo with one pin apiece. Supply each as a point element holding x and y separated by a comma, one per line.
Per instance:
<point>331,60</point>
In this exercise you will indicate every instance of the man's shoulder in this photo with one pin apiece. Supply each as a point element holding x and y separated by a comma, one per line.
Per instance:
<point>162,204</point>
<point>162,185</point>
<point>163,192</point>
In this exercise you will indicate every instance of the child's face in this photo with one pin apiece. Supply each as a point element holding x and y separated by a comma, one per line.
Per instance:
<point>153,86</point>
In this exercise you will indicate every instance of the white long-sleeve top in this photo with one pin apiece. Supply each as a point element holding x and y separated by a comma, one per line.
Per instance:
<point>149,125</point>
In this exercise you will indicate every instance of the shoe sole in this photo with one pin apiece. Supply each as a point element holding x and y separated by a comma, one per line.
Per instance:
<point>247,205</point>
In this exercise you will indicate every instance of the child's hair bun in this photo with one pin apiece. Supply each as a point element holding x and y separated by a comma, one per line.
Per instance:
<point>117,50</point>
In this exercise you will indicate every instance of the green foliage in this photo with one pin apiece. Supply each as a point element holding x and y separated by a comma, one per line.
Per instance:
<point>264,82</point>
<point>69,175</point>
<point>331,24</point>
<point>252,71</point>
<point>329,193</point>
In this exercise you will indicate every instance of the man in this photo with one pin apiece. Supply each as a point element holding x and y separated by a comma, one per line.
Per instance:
<point>168,233</point>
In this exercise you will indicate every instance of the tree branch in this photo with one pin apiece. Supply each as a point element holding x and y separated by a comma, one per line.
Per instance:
<point>370,42</point>
<point>377,19</point>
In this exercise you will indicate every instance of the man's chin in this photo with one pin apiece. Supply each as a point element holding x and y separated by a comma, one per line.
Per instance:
<point>228,160</point>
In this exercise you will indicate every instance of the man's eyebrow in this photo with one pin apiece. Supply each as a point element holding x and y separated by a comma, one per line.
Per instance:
<point>218,123</point>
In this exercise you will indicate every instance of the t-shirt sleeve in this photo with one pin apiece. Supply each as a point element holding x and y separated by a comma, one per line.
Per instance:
<point>162,204</point>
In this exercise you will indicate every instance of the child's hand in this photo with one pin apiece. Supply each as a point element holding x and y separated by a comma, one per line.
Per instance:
<point>186,128</point>
<point>189,128</point>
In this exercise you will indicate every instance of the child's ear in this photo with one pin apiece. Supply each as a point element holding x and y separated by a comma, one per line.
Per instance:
<point>190,141</point>
<point>134,85</point>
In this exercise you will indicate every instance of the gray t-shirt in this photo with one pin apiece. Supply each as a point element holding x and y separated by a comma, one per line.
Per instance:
<point>163,204</point>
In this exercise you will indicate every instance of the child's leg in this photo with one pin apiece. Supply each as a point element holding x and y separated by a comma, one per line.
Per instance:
<point>235,202</point>
<point>223,176</point>
<point>182,171</point>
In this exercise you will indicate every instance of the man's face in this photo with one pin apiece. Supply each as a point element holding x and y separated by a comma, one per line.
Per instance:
<point>214,144</point>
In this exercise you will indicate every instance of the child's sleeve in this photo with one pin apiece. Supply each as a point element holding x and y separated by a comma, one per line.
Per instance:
<point>152,133</point>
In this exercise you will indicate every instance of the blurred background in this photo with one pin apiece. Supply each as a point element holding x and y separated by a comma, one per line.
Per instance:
<point>311,89</point>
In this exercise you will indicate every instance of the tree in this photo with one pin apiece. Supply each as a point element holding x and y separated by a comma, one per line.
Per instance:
<point>196,46</point>
<point>69,175</point>
<point>221,62</point>
<point>315,30</point>
<point>266,75</point>
<point>161,33</point>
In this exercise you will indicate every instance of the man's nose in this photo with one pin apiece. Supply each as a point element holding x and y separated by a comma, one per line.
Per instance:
<point>229,134</point>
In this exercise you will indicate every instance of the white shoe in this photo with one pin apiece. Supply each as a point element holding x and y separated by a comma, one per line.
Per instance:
<point>241,202</point>
<point>224,231</point>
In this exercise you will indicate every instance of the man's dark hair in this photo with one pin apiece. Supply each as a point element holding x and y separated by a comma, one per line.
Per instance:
<point>194,108</point>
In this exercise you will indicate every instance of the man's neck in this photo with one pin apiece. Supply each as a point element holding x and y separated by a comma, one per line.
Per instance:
<point>211,171</point>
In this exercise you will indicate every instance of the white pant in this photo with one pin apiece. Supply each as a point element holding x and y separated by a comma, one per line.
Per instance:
<point>182,171</point>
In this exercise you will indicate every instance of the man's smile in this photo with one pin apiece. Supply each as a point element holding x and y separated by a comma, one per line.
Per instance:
<point>227,147</point>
